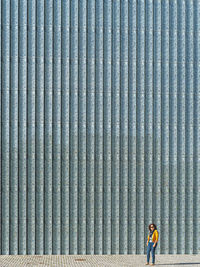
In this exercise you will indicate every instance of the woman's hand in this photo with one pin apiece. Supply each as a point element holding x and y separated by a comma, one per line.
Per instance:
<point>147,243</point>
<point>154,245</point>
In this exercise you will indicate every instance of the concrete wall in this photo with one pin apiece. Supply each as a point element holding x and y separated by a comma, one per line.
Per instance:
<point>100,126</point>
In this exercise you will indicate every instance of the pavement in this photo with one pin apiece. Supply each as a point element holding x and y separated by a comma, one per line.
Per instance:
<point>97,260</point>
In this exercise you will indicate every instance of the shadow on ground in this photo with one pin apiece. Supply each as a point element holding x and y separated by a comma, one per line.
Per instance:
<point>181,263</point>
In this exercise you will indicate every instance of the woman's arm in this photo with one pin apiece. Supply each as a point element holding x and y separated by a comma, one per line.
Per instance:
<point>147,240</point>
<point>156,241</point>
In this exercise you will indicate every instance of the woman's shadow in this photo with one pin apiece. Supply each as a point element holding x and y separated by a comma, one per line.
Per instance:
<point>181,263</point>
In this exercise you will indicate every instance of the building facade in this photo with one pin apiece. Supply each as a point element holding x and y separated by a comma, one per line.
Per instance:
<point>100,126</point>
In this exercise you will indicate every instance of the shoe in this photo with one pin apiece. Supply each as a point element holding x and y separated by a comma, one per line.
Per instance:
<point>147,263</point>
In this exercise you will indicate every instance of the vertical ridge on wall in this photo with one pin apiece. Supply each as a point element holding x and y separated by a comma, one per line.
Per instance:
<point>13,249</point>
<point>5,120</point>
<point>189,129</point>
<point>196,126</point>
<point>157,117</point>
<point>73,123</point>
<point>140,125</point>
<point>107,86</point>
<point>98,201</point>
<point>56,142</point>
<point>82,188</point>
<point>39,175</point>
<point>123,215</point>
<point>115,105</point>
<point>22,89</point>
<point>90,123</point>
<point>65,96</point>
<point>48,123</point>
<point>165,126</point>
<point>173,127</point>
<point>99,132</point>
<point>148,120</point>
<point>31,123</point>
<point>132,204</point>
<point>181,129</point>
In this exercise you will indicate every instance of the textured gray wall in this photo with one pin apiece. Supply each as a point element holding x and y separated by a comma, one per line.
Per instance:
<point>100,126</point>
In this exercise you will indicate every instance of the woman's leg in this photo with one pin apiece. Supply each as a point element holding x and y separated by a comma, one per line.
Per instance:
<point>148,252</point>
<point>153,253</point>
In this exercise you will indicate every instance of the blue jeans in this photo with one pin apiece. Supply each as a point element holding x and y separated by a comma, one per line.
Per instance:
<point>152,249</point>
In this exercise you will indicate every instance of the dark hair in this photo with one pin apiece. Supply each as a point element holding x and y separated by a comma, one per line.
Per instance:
<point>153,226</point>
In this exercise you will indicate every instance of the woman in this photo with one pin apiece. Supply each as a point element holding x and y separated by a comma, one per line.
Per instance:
<point>152,243</point>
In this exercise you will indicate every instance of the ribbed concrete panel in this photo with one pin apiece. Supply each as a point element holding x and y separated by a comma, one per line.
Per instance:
<point>14,129</point>
<point>100,126</point>
<point>181,127</point>
<point>173,68</point>
<point>31,131</point>
<point>5,131</point>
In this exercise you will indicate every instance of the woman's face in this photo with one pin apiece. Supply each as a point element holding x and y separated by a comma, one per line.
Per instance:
<point>151,227</point>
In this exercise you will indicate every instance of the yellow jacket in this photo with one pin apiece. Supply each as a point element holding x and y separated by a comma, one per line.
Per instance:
<point>154,236</point>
